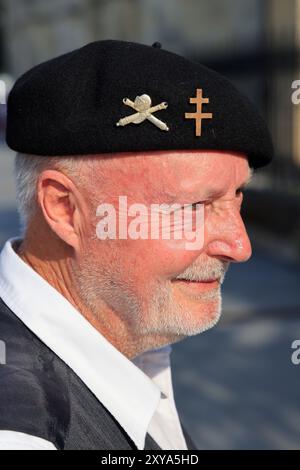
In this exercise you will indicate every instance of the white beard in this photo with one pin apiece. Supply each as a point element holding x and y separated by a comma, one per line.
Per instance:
<point>157,312</point>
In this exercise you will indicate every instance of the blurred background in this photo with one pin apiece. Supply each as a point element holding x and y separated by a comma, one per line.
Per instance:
<point>236,385</point>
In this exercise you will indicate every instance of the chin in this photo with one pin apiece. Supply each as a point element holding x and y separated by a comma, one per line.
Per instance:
<point>198,312</point>
<point>175,313</point>
<point>177,321</point>
<point>203,318</point>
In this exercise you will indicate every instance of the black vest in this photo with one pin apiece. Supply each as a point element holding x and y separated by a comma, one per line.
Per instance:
<point>40,395</point>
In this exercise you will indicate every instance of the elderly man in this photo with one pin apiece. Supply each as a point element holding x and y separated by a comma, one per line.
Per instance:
<point>94,293</point>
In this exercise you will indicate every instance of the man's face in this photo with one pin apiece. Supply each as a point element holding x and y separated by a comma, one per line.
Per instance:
<point>158,286</point>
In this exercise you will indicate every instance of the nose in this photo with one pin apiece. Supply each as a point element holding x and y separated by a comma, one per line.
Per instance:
<point>226,237</point>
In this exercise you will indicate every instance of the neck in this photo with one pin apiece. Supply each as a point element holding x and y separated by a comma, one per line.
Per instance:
<point>57,271</point>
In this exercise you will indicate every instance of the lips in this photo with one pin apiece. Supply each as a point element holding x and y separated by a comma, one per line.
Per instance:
<point>196,286</point>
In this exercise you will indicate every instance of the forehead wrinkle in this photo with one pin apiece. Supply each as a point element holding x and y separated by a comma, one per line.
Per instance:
<point>145,184</point>
<point>150,181</point>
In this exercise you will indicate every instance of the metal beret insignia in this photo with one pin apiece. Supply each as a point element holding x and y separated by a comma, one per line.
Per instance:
<point>144,110</point>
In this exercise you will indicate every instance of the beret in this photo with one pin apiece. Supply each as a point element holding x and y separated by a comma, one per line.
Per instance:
<point>75,104</point>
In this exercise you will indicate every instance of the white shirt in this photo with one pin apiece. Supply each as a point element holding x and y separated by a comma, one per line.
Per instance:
<point>146,403</point>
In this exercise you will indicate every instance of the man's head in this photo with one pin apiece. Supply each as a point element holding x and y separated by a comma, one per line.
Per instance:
<point>117,119</point>
<point>147,285</point>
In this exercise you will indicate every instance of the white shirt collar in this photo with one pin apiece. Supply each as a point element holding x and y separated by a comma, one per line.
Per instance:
<point>90,355</point>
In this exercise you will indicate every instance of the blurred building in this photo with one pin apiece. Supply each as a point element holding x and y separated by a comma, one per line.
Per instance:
<point>254,43</point>
<point>282,68</point>
<point>36,30</point>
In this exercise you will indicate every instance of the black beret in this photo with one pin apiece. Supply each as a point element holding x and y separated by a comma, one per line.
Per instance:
<point>75,104</point>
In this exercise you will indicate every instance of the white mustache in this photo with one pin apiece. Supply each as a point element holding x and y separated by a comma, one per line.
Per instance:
<point>205,273</point>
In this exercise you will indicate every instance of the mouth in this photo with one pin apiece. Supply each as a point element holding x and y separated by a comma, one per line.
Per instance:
<point>196,286</point>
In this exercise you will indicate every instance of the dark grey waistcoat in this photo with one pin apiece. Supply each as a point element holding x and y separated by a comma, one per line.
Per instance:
<point>40,395</point>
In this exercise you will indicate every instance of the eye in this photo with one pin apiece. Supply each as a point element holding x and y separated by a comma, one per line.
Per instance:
<point>195,205</point>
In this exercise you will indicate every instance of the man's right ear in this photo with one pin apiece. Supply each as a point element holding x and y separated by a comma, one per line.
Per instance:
<point>62,206</point>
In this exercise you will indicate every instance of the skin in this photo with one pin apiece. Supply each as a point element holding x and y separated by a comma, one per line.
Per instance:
<point>127,289</point>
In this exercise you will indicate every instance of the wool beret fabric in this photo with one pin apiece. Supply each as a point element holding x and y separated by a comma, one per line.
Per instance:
<point>71,105</point>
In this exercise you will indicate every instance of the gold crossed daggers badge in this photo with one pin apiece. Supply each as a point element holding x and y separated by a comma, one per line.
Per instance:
<point>144,110</point>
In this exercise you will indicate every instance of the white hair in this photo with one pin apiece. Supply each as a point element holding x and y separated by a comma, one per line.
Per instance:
<point>27,170</point>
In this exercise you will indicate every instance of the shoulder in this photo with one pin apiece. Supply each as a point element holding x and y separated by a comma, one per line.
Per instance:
<point>32,403</point>
<point>34,396</point>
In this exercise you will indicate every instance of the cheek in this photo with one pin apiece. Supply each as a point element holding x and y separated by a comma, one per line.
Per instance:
<point>141,261</point>
<point>176,258</point>
<point>161,258</point>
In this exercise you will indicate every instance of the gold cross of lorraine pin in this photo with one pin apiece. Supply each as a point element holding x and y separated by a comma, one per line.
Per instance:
<point>198,100</point>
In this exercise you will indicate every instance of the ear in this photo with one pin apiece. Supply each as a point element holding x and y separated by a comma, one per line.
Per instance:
<point>63,206</point>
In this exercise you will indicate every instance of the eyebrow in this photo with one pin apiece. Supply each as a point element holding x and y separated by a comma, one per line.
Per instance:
<point>211,192</point>
<point>215,192</point>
